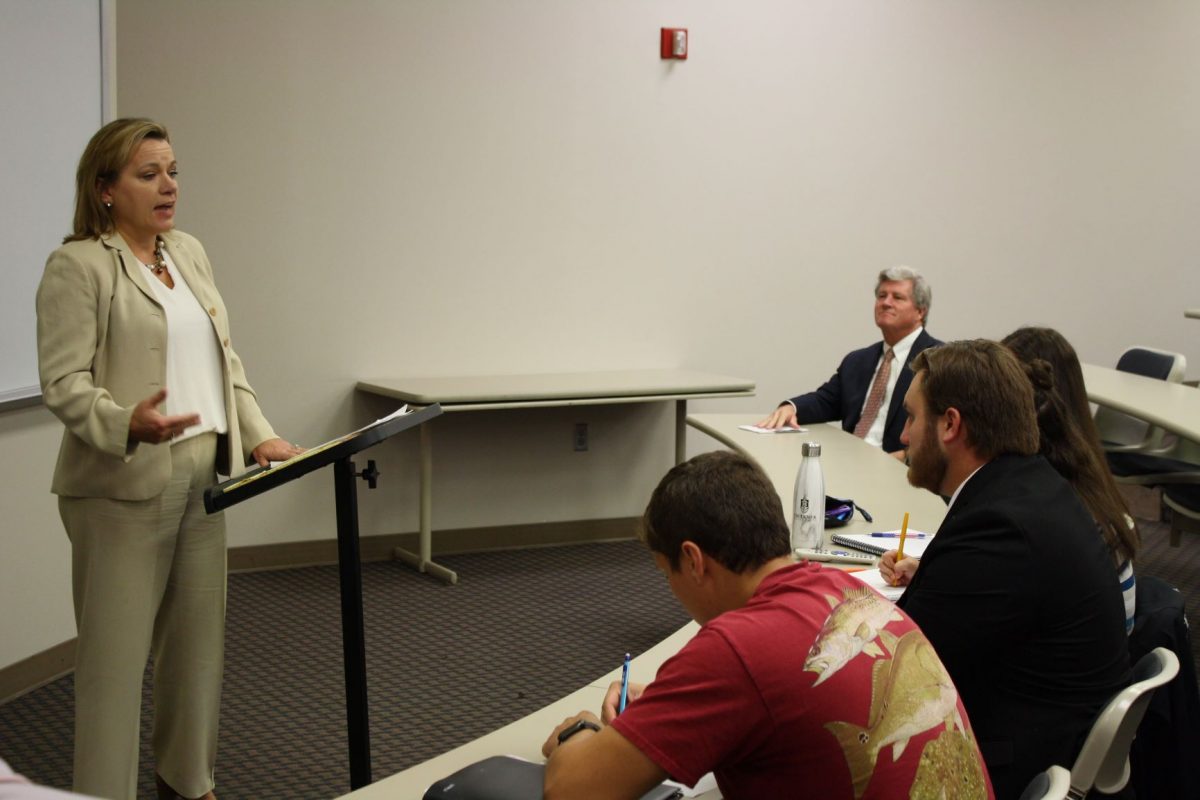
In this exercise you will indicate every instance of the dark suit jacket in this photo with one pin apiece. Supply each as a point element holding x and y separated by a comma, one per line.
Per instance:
<point>1020,598</point>
<point>843,395</point>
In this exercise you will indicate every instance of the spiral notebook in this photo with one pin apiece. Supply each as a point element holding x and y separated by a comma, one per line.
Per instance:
<point>914,545</point>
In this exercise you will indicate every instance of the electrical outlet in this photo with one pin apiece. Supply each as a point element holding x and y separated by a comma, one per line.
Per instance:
<point>581,437</point>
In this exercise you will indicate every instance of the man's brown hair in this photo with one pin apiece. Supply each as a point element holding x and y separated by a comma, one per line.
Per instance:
<point>989,387</point>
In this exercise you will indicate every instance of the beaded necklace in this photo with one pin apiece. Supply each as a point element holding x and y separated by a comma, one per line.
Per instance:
<point>160,262</point>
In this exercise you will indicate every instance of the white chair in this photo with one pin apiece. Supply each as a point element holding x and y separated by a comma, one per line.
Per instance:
<point>1053,784</point>
<point>1103,761</point>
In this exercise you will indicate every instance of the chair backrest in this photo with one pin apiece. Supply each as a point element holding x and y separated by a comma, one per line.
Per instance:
<point>1122,429</point>
<point>1161,365</point>
<point>1103,762</point>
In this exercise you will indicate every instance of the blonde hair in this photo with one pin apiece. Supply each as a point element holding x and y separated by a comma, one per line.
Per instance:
<point>102,161</point>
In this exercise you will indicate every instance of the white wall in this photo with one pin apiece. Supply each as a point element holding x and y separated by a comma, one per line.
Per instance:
<point>35,556</point>
<point>439,188</point>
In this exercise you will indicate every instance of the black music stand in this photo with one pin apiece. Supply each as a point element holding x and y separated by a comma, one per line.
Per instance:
<point>336,452</point>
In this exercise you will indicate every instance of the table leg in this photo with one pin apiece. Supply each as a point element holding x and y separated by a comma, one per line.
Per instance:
<point>423,560</point>
<point>426,542</point>
<point>680,431</point>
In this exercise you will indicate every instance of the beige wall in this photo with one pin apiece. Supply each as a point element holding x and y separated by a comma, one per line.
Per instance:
<point>437,188</point>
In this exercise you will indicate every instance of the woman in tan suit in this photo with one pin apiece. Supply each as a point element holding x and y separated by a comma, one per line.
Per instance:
<point>135,358</point>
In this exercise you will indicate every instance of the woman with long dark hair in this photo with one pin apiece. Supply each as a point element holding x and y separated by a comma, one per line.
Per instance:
<point>1071,444</point>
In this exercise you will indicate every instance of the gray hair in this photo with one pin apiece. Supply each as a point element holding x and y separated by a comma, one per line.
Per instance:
<point>922,294</point>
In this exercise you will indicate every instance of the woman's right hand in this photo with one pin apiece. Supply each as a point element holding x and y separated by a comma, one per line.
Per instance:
<point>897,573</point>
<point>148,425</point>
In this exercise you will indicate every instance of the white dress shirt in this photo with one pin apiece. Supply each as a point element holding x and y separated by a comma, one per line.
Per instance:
<point>900,351</point>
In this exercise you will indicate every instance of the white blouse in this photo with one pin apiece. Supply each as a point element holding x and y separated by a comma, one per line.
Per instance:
<point>193,357</point>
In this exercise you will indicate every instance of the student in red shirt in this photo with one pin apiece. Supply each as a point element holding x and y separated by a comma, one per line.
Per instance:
<point>802,681</point>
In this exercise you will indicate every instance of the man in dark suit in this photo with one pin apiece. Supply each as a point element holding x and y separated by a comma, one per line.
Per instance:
<point>1016,591</point>
<point>866,391</point>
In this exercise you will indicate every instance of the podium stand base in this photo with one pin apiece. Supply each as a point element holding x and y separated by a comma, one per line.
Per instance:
<point>429,567</point>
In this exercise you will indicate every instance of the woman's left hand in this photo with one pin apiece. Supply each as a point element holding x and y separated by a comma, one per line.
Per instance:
<point>275,450</point>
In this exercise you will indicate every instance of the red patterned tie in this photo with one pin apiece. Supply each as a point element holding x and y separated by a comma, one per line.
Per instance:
<point>875,398</point>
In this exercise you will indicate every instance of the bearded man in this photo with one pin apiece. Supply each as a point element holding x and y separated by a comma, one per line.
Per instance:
<point>1016,592</point>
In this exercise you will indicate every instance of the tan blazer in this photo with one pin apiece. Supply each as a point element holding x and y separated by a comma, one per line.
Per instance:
<point>102,348</point>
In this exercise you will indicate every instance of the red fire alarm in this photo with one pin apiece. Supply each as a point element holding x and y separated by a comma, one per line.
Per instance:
<point>673,43</point>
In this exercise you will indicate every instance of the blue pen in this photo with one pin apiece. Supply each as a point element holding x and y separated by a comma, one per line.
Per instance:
<point>897,536</point>
<point>624,684</point>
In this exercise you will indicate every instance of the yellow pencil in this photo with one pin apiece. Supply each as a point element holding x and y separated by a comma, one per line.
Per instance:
<point>903,534</point>
<point>900,549</point>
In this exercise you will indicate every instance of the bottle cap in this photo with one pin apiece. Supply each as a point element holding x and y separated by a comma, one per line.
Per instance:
<point>810,449</point>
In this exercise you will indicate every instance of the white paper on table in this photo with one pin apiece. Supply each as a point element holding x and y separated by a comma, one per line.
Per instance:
<point>874,579</point>
<point>756,429</point>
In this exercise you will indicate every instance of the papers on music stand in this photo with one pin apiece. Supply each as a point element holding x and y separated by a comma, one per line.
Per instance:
<point>312,451</point>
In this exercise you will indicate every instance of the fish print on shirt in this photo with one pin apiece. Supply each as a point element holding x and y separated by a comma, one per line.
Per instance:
<point>850,629</point>
<point>911,694</point>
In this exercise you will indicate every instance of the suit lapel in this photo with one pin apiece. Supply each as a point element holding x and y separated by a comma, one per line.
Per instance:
<point>865,377</point>
<point>186,265</point>
<point>978,483</point>
<point>855,392</point>
<point>897,401</point>
<point>187,269</point>
<point>903,382</point>
<point>130,264</point>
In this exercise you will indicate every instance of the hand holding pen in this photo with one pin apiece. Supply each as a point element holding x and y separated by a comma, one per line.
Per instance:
<point>624,685</point>
<point>615,700</point>
<point>893,566</point>
<point>620,693</point>
<point>897,572</point>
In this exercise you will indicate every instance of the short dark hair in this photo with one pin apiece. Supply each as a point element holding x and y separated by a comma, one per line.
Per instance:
<point>724,503</point>
<point>989,387</point>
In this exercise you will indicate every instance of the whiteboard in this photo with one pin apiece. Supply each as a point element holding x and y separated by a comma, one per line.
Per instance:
<point>53,95</point>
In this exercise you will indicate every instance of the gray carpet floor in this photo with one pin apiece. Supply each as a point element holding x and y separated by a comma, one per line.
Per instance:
<point>446,664</point>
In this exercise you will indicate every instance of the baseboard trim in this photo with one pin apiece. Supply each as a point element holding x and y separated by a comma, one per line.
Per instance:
<point>54,662</point>
<point>37,670</point>
<point>288,555</point>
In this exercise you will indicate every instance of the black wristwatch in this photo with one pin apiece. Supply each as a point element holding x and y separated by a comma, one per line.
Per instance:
<point>576,727</point>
